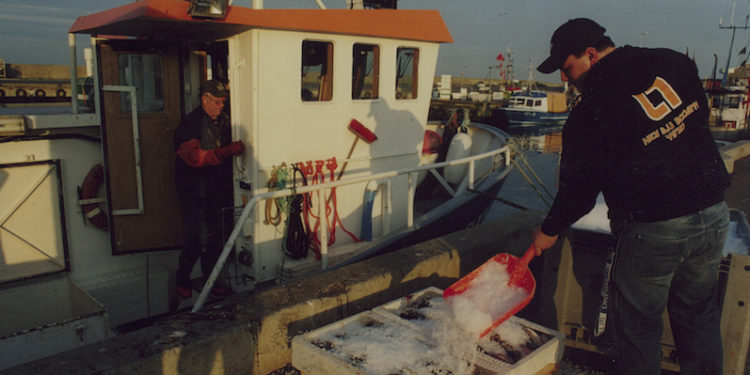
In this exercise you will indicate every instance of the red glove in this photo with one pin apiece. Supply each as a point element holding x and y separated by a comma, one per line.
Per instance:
<point>233,149</point>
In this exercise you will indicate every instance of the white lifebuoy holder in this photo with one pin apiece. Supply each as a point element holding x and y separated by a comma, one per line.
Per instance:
<point>460,147</point>
<point>88,197</point>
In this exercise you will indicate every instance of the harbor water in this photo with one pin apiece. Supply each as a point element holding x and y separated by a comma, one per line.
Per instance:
<point>519,191</point>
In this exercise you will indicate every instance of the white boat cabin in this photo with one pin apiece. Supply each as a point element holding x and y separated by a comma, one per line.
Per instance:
<point>297,79</point>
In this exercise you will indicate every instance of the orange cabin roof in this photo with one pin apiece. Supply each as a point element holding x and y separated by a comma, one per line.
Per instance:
<point>169,20</point>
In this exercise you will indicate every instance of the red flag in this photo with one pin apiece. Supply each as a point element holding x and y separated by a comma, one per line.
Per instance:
<point>500,57</point>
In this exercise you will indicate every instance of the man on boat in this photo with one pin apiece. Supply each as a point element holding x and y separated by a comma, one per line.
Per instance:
<point>203,175</point>
<point>639,136</point>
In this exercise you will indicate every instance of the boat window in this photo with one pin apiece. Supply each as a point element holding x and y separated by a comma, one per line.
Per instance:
<point>317,71</point>
<point>529,102</point>
<point>145,73</point>
<point>365,71</point>
<point>537,103</point>
<point>407,69</point>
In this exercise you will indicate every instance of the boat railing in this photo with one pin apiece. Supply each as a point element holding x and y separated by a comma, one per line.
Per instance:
<point>468,183</point>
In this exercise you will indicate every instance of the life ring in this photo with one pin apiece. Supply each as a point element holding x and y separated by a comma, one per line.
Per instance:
<point>88,191</point>
<point>39,93</point>
<point>21,93</point>
<point>60,93</point>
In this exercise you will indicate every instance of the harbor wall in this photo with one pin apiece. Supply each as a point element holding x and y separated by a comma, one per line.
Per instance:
<point>251,333</point>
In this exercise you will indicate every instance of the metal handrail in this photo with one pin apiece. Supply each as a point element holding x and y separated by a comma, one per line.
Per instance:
<point>250,206</point>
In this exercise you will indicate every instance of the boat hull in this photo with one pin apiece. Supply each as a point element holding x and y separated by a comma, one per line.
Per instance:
<point>471,213</point>
<point>459,213</point>
<point>520,118</point>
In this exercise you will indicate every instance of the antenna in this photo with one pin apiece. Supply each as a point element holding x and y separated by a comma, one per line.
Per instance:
<point>731,43</point>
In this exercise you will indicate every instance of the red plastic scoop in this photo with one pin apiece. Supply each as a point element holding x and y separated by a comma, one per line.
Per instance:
<point>480,304</point>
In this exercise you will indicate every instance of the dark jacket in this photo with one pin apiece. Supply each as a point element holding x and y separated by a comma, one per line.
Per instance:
<point>640,136</point>
<point>199,171</point>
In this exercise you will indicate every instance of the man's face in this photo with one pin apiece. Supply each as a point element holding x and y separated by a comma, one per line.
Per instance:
<point>574,69</point>
<point>212,105</point>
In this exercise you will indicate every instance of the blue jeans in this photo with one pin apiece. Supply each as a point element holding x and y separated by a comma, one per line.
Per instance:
<point>670,264</point>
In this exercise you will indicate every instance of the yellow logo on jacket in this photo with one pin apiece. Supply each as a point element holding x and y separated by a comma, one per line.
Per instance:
<point>669,101</point>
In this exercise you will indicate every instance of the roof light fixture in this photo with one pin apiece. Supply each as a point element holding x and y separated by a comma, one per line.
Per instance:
<point>208,8</point>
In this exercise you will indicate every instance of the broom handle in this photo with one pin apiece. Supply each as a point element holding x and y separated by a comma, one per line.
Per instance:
<point>351,151</point>
<point>343,167</point>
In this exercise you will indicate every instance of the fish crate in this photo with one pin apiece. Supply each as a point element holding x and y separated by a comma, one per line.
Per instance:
<point>580,274</point>
<point>370,344</point>
<point>517,346</point>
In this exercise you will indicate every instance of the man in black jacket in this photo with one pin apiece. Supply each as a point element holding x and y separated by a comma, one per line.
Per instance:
<point>203,176</point>
<point>639,136</point>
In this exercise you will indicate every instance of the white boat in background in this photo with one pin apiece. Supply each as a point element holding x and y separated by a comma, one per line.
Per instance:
<point>730,111</point>
<point>299,79</point>
<point>531,110</point>
<point>536,108</point>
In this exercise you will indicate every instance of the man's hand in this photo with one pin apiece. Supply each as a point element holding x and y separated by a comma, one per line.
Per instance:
<point>233,149</point>
<point>542,241</point>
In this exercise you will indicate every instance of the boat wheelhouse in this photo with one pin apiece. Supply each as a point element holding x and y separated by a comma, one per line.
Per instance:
<point>729,111</point>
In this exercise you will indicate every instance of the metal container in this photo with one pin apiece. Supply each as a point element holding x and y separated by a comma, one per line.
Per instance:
<point>47,317</point>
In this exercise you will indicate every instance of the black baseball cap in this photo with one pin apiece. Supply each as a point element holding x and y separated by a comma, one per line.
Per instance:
<point>573,36</point>
<point>215,88</point>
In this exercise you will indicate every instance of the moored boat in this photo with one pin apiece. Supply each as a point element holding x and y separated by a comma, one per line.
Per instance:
<point>729,111</point>
<point>534,108</point>
<point>300,80</point>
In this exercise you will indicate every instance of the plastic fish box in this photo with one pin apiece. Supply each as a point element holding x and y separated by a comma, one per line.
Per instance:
<point>532,349</point>
<point>366,343</point>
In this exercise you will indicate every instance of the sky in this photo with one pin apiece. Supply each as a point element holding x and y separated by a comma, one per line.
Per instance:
<point>35,31</point>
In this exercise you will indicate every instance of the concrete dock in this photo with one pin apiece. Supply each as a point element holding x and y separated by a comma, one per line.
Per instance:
<point>250,333</point>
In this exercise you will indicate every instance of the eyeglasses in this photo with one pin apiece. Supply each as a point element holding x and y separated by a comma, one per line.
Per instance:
<point>216,101</point>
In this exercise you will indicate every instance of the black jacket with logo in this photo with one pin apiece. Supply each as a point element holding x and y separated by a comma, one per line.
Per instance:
<point>639,135</point>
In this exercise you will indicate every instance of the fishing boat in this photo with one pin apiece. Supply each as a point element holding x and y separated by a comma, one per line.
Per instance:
<point>729,110</point>
<point>89,210</point>
<point>536,108</point>
<point>534,111</point>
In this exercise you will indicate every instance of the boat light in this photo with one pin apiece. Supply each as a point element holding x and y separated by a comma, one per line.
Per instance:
<point>380,4</point>
<point>208,8</point>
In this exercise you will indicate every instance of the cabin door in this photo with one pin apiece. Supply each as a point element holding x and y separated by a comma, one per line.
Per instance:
<point>139,153</point>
